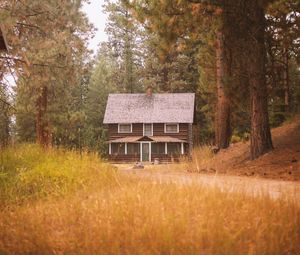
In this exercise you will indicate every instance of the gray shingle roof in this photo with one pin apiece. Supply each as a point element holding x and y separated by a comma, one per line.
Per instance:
<point>158,108</point>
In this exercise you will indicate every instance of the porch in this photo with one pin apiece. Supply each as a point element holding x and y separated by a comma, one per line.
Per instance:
<point>147,149</point>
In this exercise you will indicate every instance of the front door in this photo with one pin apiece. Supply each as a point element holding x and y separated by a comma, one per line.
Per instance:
<point>145,152</point>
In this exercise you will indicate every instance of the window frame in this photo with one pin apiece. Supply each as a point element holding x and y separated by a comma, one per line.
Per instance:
<point>119,124</point>
<point>123,152</point>
<point>165,128</point>
<point>164,148</point>
<point>178,147</point>
<point>151,128</point>
<point>138,149</point>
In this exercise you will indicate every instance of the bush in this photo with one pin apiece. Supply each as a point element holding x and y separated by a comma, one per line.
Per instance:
<point>28,172</point>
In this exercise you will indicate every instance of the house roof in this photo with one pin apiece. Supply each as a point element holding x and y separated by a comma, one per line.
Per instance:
<point>3,45</point>
<point>156,108</point>
<point>157,139</point>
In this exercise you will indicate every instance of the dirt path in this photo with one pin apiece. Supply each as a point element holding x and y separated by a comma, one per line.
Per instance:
<point>252,186</point>
<point>233,166</point>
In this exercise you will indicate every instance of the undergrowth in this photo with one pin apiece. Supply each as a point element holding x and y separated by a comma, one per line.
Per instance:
<point>28,172</point>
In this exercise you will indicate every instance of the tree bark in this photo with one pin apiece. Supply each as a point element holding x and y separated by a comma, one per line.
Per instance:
<point>286,79</point>
<point>260,141</point>
<point>222,122</point>
<point>43,136</point>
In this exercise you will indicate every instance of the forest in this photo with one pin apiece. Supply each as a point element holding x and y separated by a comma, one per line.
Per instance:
<point>60,194</point>
<point>54,90</point>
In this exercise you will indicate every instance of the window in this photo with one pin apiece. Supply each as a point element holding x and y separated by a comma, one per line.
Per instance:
<point>158,148</point>
<point>174,148</point>
<point>124,128</point>
<point>148,129</point>
<point>118,148</point>
<point>133,148</point>
<point>171,128</point>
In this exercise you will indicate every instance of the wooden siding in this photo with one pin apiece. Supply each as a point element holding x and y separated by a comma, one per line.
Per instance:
<point>124,158</point>
<point>158,130</point>
<point>137,130</point>
<point>163,158</point>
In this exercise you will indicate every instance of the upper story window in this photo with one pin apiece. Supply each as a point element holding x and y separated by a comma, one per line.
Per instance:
<point>172,128</point>
<point>124,128</point>
<point>148,129</point>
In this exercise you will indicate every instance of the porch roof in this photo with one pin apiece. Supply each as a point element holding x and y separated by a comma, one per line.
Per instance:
<point>156,139</point>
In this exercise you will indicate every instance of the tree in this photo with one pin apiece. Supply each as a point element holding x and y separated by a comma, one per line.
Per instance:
<point>282,50</point>
<point>177,19</point>
<point>103,81</point>
<point>47,53</point>
<point>124,36</point>
<point>5,114</point>
<point>261,141</point>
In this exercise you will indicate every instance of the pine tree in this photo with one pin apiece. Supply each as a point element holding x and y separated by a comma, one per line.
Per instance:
<point>282,49</point>
<point>103,81</point>
<point>241,22</point>
<point>124,34</point>
<point>47,49</point>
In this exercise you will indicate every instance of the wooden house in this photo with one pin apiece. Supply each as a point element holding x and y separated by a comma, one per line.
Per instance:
<point>149,127</point>
<point>3,44</point>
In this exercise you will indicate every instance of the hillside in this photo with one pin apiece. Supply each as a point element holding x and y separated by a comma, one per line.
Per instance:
<point>281,163</point>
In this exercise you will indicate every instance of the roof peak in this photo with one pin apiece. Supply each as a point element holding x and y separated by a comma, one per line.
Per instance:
<point>157,108</point>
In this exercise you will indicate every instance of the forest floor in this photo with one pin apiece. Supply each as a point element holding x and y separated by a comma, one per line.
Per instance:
<point>282,163</point>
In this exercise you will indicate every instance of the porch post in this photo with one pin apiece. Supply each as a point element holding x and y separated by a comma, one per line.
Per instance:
<point>141,152</point>
<point>182,149</point>
<point>125,148</point>
<point>166,148</point>
<point>109,148</point>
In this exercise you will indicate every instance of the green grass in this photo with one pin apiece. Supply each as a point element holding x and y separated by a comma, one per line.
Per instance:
<point>100,211</point>
<point>28,172</point>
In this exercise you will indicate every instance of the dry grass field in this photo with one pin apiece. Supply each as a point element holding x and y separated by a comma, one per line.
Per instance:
<point>95,210</point>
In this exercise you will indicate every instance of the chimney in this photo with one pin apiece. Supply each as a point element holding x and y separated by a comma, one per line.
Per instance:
<point>149,91</point>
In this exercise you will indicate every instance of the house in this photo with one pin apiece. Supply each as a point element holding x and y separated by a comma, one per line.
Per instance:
<point>3,44</point>
<point>149,127</point>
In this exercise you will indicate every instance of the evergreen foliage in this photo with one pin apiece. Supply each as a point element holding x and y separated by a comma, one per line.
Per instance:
<point>60,93</point>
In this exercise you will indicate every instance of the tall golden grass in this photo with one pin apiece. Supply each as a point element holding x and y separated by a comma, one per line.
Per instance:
<point>28,172</point>
<point>122,215</point>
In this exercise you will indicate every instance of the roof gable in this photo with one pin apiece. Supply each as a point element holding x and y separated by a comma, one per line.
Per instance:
<point>157,108</point>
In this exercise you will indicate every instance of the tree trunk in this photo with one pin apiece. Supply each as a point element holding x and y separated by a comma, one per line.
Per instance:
<point>286,79</point>
<point>222,122</point>
<point>165,75</point>
<point>43,136</point>
<point>261,141</point>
